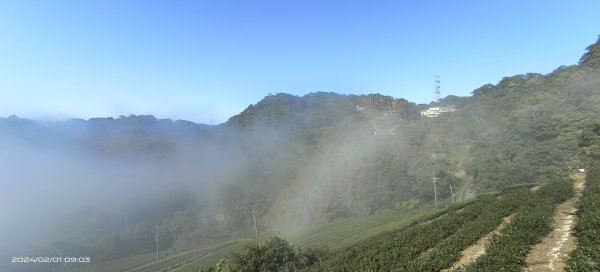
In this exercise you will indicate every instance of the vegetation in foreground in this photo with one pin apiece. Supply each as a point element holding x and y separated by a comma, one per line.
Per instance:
<point>275,254</point>
<point>586,257</point>
<point>533,221</point>
<point>430,244</point>
<point>334,236</point>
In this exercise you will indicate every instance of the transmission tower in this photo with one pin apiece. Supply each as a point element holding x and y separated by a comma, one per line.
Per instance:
<point>436,93</point>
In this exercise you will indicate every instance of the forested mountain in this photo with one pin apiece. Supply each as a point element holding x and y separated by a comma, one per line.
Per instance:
<point>294,161</point>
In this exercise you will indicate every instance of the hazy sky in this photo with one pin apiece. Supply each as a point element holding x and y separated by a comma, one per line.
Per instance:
<point>205,61</point>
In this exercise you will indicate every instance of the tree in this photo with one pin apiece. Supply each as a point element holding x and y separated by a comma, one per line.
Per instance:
<point>589,141</point>
<point>275,254</point>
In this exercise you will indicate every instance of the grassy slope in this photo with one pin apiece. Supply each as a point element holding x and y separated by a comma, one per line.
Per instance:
<point>123,264</point>
<point>340,234</point>
<point>334,235</point>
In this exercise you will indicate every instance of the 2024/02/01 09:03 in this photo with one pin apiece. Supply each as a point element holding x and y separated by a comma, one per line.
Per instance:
<point>51,259</point>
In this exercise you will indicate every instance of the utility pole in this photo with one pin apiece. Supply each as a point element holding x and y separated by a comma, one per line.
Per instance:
<point>254,219</point>
<point>451,193</point>
<point>434,179</point>
<point>156,236</point>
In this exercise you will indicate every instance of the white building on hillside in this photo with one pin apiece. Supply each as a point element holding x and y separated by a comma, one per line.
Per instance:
<point>436,111</point>
<point>361,108</point>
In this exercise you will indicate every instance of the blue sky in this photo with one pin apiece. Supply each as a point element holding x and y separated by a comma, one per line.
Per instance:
<point>205,61</point>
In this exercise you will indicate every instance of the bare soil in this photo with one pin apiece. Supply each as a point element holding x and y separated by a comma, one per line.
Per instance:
<point>471,253</point>
<point>552,253</point>
<point>435,219</point>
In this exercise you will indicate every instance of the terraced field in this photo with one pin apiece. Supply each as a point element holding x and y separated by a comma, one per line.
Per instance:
<point>333,236</point>
<point>532,222</point>
<point>509,223</point>
<point>586,257</point>
<point>439,244</point>
<point>343,233</point>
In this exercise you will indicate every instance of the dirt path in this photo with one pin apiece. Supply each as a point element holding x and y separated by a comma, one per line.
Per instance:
<point>553,251</point>
<point>471,253</point>
<point>435,219</point>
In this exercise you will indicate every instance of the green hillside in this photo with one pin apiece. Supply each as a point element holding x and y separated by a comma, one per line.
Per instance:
<point>433,242</point>
<point>527,128</point>
<point>332,236</point>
